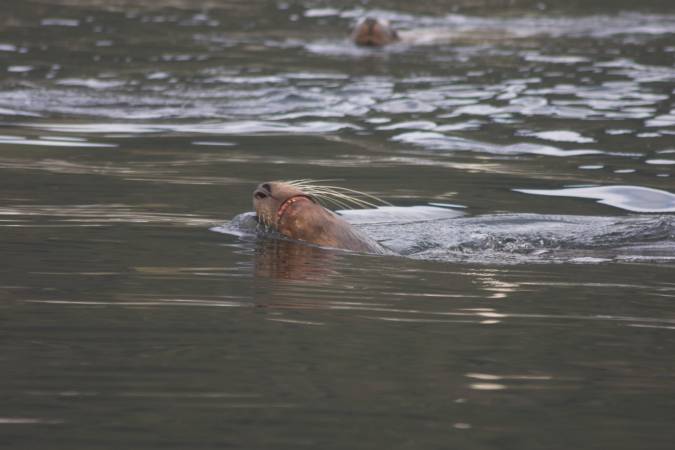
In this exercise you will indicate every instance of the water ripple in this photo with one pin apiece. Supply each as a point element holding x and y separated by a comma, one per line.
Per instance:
<point>630,198</point>
<point>95,215</point>
<point>439,141</point>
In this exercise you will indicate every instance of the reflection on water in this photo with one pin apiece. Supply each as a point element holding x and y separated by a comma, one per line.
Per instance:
<point>92,215</point>
<point>130,130</point>
<point>288,260</point>
<point>58,141</point>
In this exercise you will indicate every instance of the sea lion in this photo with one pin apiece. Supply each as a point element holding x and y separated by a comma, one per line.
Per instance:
<point>371,32</point>
<point>297,214</point>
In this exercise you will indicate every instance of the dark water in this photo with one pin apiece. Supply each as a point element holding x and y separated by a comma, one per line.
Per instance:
<point>542,318</point>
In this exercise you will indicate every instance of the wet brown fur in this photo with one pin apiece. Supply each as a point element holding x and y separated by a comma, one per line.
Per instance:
<point>371,32</point>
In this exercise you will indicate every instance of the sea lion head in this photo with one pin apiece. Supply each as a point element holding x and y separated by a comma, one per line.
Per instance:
<point>296,213</point>
<point>290,211</point>
<point>371,32</point>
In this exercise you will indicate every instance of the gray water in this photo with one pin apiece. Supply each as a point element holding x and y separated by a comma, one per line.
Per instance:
<point>528,300</point>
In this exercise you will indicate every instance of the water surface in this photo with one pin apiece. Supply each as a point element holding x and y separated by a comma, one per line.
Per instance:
<point>539,317</point>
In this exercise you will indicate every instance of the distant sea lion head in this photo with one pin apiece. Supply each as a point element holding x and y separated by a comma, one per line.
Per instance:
<point>370,32</point>
<point>296,213</point>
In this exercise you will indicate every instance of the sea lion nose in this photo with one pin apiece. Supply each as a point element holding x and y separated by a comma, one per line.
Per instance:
<point>369,22</point>
<point>262,191</point>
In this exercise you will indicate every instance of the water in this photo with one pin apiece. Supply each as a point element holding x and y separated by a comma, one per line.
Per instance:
<point>537,315</point>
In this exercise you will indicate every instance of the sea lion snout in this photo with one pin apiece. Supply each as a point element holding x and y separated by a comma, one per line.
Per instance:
<point>369,23</point>
<point>263,190</point>
<point>269,196</point>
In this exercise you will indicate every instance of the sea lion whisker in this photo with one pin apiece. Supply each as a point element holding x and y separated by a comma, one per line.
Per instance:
<point>347,202</point>
<point>336,195</point>
<point>344,191</point>
<point>300,183</point>
<point>350,201</point>
<point>373,197</point>
<point>308,182</point>
<point>331,191</point>
<point>306,186</point>
<point>343,199</point>
<point>328,199</point>
<point>297,182</point>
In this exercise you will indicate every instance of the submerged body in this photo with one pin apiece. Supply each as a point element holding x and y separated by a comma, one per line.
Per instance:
<point>434,233</point>
<point>445,235</point>
<point>297,215</point>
